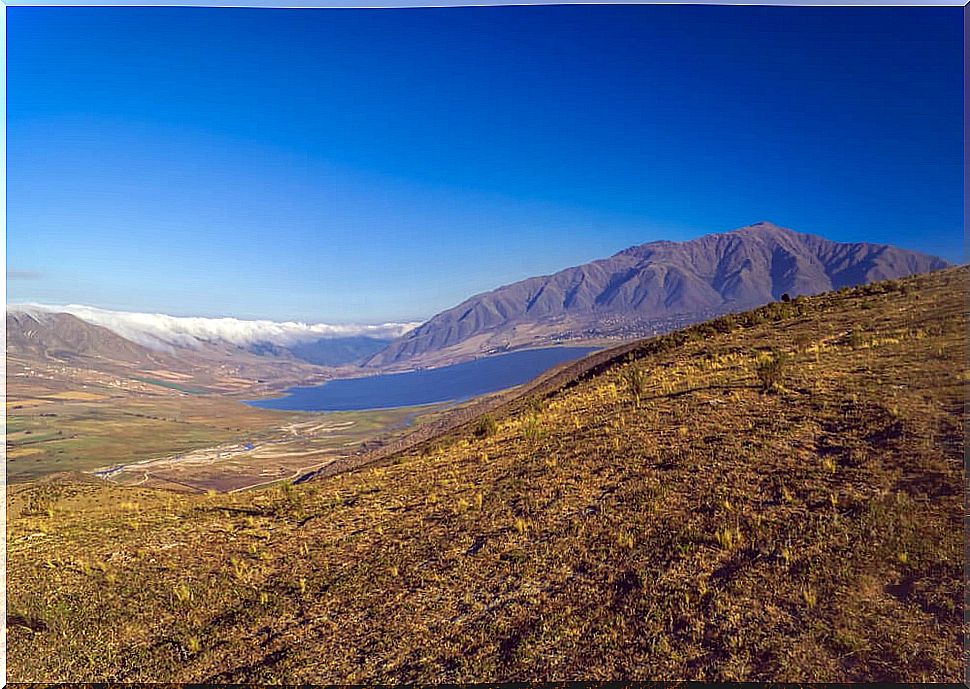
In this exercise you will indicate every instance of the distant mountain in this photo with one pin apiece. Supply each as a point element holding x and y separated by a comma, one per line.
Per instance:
<point>192,338</point>
<point>338,351</point>
<point>651,287</point>
<point>64,337</point>
<point>219,355</point>
<point>329,351</point>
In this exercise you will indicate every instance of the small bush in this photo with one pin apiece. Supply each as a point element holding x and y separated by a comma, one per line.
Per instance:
<point>756,317</point>
<point>726,324</point>
<point>856,339</point>
<point>532,428</point>
<point>487,427</point>
<point>771,369</point>
<point>802,341</point>
<point>182,592</point>
<point>635,379</point>
<point>809,596</point>
<point>40,503</point>
<point>290,501</point>
<point>779,310</point>
<point>728,538</point>
<point>625,540</point>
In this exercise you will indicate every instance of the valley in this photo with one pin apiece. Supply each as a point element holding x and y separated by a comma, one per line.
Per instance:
<point>769,496</point>
<point>211,404</point>
<point>163,429</point>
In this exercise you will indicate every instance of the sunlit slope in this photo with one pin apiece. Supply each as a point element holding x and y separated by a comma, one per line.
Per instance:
<point>713,530</point>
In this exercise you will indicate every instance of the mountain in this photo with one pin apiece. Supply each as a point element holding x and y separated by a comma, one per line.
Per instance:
<point>67,348</point>
<point>651,288</point>
<point>62,329</point>
<point>62,336</point>
<point>338,351</point>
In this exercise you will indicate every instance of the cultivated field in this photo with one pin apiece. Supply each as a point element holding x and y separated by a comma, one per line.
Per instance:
<point>136,429</point>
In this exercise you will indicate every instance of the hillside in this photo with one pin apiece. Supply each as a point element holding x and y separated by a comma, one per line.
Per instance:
<point>47,347</point>
<point>64,337</point>
<point>102,339</point>
<point>649,289</point>
<point>803,527</point>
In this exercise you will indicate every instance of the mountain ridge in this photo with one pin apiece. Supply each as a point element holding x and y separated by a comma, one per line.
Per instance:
<point>640,287</point>
<point>152,337</point>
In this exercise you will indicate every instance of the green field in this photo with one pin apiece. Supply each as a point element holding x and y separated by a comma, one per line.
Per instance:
<point>82,435</point>
<point>170,385</point>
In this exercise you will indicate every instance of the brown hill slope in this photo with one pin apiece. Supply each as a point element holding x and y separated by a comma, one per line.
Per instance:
<point>67,349</point>
<point>714,530</point>
<point>64,337</point>
<point>651,288</point>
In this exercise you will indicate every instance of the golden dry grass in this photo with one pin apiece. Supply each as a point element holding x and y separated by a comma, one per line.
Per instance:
<point>715,530</point>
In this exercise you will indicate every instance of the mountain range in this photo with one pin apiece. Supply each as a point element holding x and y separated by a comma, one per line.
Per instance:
<point>76,330</point>
<point>640,291</point>
<point>650,288</point>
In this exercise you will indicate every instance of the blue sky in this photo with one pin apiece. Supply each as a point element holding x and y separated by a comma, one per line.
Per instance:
<point>375,165</point>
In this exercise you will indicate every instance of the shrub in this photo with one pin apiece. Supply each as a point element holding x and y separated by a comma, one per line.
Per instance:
<point>635,379</point>
<point>779,310</point>
<point>802,341</point>
<point>182,592</point>
<point>487,426</point>
<point>532,428</point>
<point>809,596</point>
<point>728,538</point>
<point>625,539</point>
<point>856,339</point>
<point>290,501</point>
<point>770,369</point>
<point>726,324</point>
<point>40,503</point>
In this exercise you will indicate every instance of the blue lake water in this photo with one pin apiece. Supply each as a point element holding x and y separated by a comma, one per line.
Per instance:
<point>445,384</point>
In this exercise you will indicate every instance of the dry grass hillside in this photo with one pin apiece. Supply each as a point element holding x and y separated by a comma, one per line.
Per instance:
<point>771,496</point>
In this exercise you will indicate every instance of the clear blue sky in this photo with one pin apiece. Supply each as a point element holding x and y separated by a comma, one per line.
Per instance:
<point>372,165</point>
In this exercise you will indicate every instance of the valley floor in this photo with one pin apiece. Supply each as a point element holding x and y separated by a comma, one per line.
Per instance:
<point>129,431</point>
<point>745,516</point>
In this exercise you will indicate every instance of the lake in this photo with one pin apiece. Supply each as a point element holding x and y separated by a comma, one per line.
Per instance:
<point>446,384</point>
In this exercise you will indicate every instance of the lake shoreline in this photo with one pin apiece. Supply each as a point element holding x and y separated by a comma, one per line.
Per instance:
<point>420,387</point>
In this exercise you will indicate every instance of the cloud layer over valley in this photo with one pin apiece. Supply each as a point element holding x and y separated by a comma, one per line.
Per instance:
<point>163,332</point>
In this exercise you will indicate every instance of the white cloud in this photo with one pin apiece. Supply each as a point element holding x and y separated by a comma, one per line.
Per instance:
<point>160,331</point>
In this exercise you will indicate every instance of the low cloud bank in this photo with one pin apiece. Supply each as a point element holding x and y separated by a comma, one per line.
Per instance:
<point>163,332</point>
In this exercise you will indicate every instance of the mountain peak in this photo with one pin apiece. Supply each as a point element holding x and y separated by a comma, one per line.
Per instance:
<point>762,227</point>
